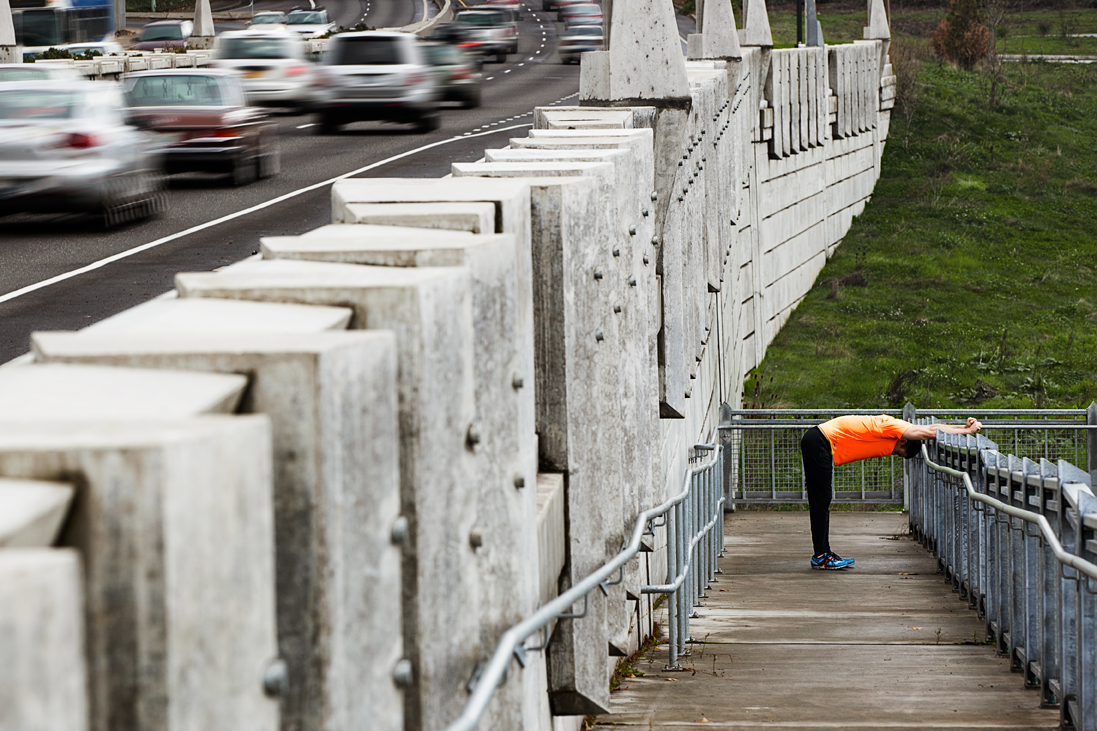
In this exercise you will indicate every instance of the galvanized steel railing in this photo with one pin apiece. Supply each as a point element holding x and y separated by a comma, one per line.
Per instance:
<point>1018,540</point>
<point>695,539</point>
<point>764,464</point>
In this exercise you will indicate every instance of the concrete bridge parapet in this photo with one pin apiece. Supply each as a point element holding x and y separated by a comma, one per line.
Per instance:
<point>544,336</point>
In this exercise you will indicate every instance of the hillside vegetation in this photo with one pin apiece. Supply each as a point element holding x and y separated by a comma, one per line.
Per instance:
<point>969,280</point>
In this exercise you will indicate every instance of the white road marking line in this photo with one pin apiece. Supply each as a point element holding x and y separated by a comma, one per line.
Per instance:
<point>524,63</point>
<point>238,214</point>
<point>507,71</point>
<point>489,78</point>
<point>305,126</point>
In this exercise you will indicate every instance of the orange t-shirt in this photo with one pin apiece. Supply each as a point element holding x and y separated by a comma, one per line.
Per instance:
<point>853,438</point>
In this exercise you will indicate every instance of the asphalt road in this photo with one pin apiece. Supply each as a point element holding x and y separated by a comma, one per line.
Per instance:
<point>59,273</point>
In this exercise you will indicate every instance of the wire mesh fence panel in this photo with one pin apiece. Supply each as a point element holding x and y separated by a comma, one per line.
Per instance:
<point>766,464</point>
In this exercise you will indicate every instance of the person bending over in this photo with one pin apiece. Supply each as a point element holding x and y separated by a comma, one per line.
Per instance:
<point>850,439</point>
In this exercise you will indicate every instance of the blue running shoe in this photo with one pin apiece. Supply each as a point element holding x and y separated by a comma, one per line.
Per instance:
<point>830,561</point>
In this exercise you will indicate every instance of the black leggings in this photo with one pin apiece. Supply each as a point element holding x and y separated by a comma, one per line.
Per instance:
<point>818,475</point>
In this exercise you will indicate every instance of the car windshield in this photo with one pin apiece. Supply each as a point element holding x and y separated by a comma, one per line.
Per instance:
<point>273,18</point>
<point>441,55</point>
<point>481,19</point>
<point>162,33</point>
<point>37,104</point>
<point>172,91</point>
<point>29,74</point>
<point>366,51</point>
<point>305,19</point>
<point>256,48</point>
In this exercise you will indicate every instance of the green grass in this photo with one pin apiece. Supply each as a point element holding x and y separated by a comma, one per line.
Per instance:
<point>1037,31</point>
<point>970,277</point>
<point>1048,45</point>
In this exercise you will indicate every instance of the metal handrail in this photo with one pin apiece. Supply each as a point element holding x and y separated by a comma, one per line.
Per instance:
<point>510,643</point>
<point>1047,534</point>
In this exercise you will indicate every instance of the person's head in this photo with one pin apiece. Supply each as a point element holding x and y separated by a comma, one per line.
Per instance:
<point>908,448</point>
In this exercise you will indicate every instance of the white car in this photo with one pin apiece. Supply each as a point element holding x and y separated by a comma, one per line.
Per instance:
<point>271,64</point>
<point>268,20</point>
<point>309,23</point>
<point>38,72</point>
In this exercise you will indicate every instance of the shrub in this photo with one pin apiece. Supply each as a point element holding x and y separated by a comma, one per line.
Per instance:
<point>961,38</point>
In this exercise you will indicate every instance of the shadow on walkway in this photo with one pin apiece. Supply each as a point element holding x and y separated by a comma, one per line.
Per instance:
<point>884,645</point>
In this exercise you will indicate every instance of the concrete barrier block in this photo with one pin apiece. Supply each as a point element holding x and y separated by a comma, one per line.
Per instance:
<point>430,311</point>
<point>173,520</point>
<point>43,673</point>
<point>582,119</point>
<point>212,316</point>
<point>31,512</point>
<point>479,218</point>
<point>336,497</point>
<point>39,392</point>
<point>507,558</point>
<point>551,533</point>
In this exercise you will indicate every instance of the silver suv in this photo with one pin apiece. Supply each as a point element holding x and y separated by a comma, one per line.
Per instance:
<point>493,30</point>
<point>376,75</point>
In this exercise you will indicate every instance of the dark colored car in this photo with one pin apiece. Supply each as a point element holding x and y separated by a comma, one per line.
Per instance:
<point>203,123</point>
<point>376,76</point>
<point>459,75</point>
<point>579,39</point>
<point>165,34</point>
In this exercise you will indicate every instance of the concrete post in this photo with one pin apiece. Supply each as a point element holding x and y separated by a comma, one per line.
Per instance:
<point>878,29</point>
<point>9,51</point>
<point>719,37</point>
<point>430,311</point>
<point>43,673</point>
<point>814,34</point>
<point>507,503</point>
<point>331,400</point>
<point>31,512</point>
<point>174,522</point>
<point>203,33</point>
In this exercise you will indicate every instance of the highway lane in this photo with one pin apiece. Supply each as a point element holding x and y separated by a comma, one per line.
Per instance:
<point>34,249</point>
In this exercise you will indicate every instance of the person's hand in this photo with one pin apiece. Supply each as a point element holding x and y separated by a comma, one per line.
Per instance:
<point>973,425</point>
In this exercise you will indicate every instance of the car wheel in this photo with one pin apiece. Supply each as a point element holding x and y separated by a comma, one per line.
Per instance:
<point>270,161</point>
<point>473,100</point>
<point>501,57</point>
<point>327,125</point>
<point>429,122</point>
<point>244,171</point>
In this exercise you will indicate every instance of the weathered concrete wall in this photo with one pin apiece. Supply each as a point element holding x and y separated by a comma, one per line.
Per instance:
<point>552,329</point>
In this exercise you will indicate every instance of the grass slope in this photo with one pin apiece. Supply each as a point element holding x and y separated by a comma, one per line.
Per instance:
<point>970,277</point>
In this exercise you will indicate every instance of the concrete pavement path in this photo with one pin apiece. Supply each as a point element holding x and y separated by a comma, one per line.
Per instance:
<point>884,645</point>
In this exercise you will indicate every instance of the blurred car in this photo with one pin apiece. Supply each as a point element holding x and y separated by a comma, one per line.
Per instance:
<point>99,48</point>
<point>560,5</point>
<point>38,72</point>
<point>494,29</point>
<point>203,123</point>
<point>512,5</point>
<point>165,34</point>
<point>267,18</point>
<point>579,39</point>
<point>65,148</point>
<point>376,75</point>
<point>271,64</point>
<point>581,14</point>
<point>309,23</point>
<point>459,75</point>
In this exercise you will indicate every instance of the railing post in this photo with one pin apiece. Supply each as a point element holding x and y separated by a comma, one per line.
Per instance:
<point>1091,443</point>
<point>672,600</point>
<point>909,414</point>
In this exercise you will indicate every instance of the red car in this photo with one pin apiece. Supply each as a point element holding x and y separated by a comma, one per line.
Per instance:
<point>203,123</point>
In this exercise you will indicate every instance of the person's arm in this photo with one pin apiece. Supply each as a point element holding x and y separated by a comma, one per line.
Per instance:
<point>929,431</point>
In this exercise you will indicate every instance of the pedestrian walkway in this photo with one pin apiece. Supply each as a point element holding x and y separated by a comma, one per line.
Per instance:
<point>884,645</point>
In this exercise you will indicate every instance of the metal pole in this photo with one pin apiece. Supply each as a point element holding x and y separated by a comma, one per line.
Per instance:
<point>672,600</point>
<point>799,23</point>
